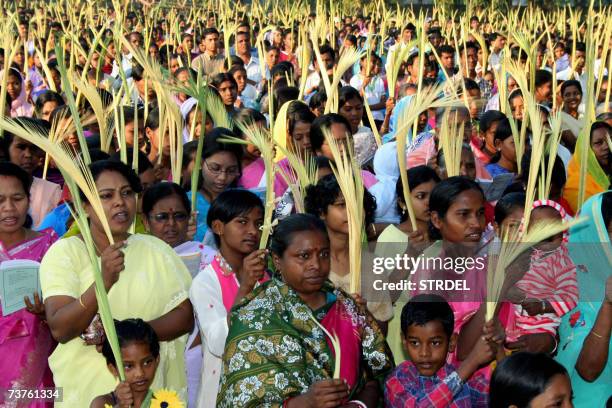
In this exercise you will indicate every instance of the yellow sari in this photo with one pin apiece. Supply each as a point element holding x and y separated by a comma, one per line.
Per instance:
<point>154,282</point>
<point>596,180</point>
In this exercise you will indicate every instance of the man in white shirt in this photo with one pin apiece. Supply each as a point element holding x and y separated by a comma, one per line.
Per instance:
<point>251,63</point>
<point>328,55</point>
<point>576,68</point>
<point>498,42</point>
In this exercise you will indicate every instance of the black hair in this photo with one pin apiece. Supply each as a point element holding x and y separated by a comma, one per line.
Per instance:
<point>160,191</point>
<point>446,49</point>
<point>347,93</point>
<point>137,72</point>
<point>467,45</point>
<point>280,96</point>
<point>425,308</point>
<point>99,167</point>
<point>580,46</point>
<point>326,49</point>
<point>317,100</point>
<point>488,118</point>
<point>221,77</point>
<point>571,82</point>
<point>558,176</point>
<point>298,112</point>
<point>152,121</point>
<point>230,204</point>
<point>283,233</point>
<point>235,68</point>
<point>47,96</point>
<point>521,377</point>
<point>599,125</point>
<point>444,195</point>
<point>97,154</point>
<point>507,204</point>
<point>542,76</point>
<point>280,69</point>
<point>416,176</point>
<point>471,85</point>
<point>317,137</point>
<point>212,145</point>
<point>12,170</point>
<point>209,31</point>
<point>247,116</point>
<point>503,131</point>
<point>41,125</point>
<point>144,163</point>
<point>515,94</point>
<point>131,331</point>
<point>326,191</point>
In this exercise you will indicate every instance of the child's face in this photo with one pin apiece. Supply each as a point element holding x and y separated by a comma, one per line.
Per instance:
<point>558,393</point>
<point>511,223</point>
<point>427,346</point>
<point>547,214</point>
<point>140,366</point>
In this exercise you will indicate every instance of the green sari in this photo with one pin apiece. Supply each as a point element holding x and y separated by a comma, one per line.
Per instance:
<point>274,351</point>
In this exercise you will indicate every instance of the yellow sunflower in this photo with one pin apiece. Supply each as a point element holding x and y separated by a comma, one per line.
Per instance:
<point>166,399</point>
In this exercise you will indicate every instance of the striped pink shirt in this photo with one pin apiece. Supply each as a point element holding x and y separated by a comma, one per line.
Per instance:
<point>552,277</point>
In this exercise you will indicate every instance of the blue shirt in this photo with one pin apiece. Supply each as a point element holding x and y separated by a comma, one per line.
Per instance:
<point>57,219</point>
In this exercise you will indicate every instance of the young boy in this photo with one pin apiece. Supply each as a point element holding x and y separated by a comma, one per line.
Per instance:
<point>426,379</point>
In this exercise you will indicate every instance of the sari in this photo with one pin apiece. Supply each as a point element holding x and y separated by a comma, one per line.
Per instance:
<point>596,180</point>
<point>253,175</point>
<point>20,105</point>
<point>25,340</point>
<point>591,251</point>
<point>154,282</point>
<point>275,351</point>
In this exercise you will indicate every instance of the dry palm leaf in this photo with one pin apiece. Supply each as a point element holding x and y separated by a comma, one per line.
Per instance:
<point>335,342</point>
<point>512,246</point>
<point>451,143</point>
<point>347,60</point>
<point>348,175</point>
<point>302,174</point>
<point>260,138</point>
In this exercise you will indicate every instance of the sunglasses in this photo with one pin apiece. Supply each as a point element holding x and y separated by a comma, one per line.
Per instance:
<point>164,217</point>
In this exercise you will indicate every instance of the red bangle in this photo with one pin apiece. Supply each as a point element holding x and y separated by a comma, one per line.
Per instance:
<point>286,402</point>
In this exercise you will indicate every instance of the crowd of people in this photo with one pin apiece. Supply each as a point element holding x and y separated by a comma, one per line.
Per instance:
<point>209,314</point>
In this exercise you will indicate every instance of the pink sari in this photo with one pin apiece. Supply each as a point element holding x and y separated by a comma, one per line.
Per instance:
<point>337,320</point>
<point>25,340</point>
<point>253,175</point>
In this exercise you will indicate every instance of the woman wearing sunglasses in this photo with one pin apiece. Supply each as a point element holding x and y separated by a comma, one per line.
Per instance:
<point>220,170</point>
<point>166,211</point>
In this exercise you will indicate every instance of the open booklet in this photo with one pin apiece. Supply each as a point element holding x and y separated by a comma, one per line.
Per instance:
<point>18,278</point>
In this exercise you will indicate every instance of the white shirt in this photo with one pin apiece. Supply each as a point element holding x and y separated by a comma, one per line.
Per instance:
<point>374,91</point>
<point>253,71</point>
<point>495,60</point>
<point>211,315</point>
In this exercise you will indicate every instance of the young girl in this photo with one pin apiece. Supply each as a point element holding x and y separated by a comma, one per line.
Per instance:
<point>484,146</point>
<point>457,220</point>
<point>162,166</point>
<point>221,170</point>
<point>235,218</point>
<point>530,380</point>
<point>509,213</point>
<point>340,130</point>
<point>247,93</point>
<point>227,87</point>
<point>504,160</point>
<point>394,239</point>
<point>299,121</point>
<point>350,105</point>
<point>325,200</point>
<point>188,112</point>
<point>15,87</point>
<point>140,355</point>
<point>548,290</point>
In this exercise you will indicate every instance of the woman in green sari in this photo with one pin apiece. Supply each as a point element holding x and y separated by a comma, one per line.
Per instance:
<point>276,354</point>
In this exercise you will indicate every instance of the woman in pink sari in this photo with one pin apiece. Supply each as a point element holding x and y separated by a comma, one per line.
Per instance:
<point>276,352</point>
<point>25,340</point>
<point>15,87</point>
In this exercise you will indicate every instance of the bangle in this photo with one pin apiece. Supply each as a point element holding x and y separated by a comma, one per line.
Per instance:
<point>599,336</point>
<point>373,229</point>
<point>81,301</point>
<point>358,403</point>
<point>543,306</point>
<point>286,402</point>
